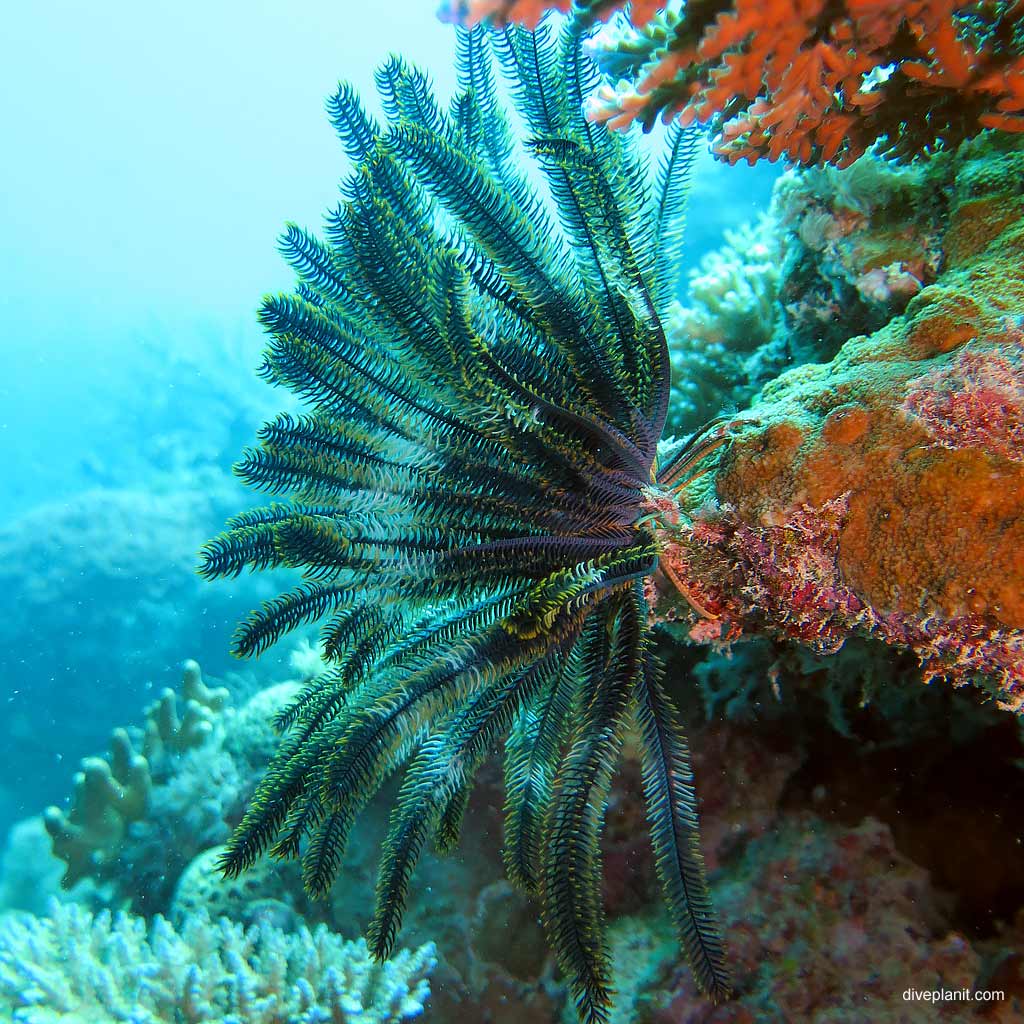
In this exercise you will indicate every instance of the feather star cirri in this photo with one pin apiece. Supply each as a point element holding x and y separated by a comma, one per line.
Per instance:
<point>473,496</point>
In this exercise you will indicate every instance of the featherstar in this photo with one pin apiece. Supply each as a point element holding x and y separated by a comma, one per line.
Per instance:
<point>473,497</point>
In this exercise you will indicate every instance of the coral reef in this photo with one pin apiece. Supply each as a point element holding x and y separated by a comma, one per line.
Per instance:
<point>769,780</point>
<point>77,968</point>
<point>719,337</point>
<point>166,792</point>
<point>858,244</point>
<point>826,923</point>
<point>881,494</point>
<point>166,862</point>
<point>812,81</point>
<point>831,859</point>
<point>839,253</point>
<point>864,520</point>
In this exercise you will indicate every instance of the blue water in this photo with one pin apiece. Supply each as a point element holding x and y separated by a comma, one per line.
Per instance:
<point>152,158</point>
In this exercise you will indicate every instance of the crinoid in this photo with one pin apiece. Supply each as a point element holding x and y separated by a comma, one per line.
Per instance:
<point>472,497</point>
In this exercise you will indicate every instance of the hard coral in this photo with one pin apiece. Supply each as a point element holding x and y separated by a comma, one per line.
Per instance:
<point>77,968</point>
<point>809,80</point>
<point>719,335</point>
<point>839,253</point>
<point>165,772</point>
<point>883,493</point>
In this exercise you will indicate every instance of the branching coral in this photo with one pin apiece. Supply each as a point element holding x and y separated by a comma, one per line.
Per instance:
<point>717,337</point>
<point>812,80</point>
<point>171,771</point>
<point>471,498</point>
<point>173,729</point>
<point>76,968</point>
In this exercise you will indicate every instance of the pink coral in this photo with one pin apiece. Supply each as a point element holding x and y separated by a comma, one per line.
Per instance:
<point>977,400</point>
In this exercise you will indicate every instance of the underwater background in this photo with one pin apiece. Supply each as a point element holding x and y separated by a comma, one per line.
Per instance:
<point>159,157</point>
<point>861,814</point>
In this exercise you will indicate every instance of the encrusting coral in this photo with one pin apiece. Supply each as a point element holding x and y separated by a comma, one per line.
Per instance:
<point>806,79</point>
<point>883,493</point>
<point>74,967</point>
<point>831,924</point>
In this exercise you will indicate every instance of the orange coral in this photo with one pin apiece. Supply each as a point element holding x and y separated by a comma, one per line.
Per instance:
<point>787,78</point>
<point>499,12</point>
<point>811,80</point>
<point>883,493</point>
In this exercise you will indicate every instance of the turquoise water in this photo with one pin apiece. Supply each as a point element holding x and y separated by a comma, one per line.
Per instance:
<point>155,157</point>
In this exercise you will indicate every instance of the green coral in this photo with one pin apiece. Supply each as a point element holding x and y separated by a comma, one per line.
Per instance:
<point>471,496</point>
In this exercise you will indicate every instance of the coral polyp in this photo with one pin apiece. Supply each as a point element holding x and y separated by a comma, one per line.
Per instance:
<point>473,497</point>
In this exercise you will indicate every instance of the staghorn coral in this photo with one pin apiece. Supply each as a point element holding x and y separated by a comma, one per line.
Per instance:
<point>74,967</point>
<point>881,494</point>
<point>470,499</point>
<point>806,79</point>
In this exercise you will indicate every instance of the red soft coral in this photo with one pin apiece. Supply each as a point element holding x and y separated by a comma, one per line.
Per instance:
<point>811,80</point>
